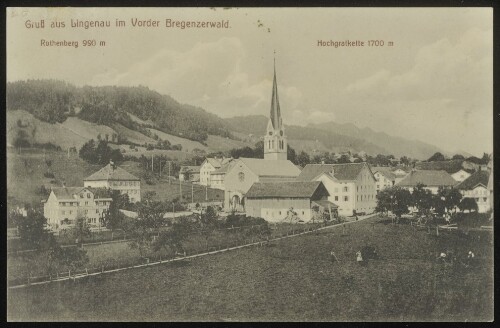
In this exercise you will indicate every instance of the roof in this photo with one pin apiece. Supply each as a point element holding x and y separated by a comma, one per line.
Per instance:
<point>340,171</point>
<point>224,168</point>
<point>387,174</point>
<point>66,192</point>
<point>451,166</point>
<point>270,167</point>
<point>110,172</point>
<point>325,203</point>
<point>290,189</point>
<point>218,162</point>
<point>480,177</point>
<point>430,178</point>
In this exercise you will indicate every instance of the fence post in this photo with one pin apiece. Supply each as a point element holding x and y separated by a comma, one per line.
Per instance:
<point>102,268</point>
<point>29,278</point>
<point>87,271</point>
<point>57,275</point>
<point>437,230</point>
<point>69,273</point>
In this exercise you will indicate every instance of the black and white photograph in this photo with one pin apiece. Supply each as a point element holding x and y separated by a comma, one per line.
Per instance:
<point>249,164</point>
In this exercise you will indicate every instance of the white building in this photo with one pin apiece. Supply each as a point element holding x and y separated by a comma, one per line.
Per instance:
<point>352,187</point>
<point>65,204</point>
<point>208,166</point>
<point>476,187</point>
<point>116,178</point>
<point>385,179</point>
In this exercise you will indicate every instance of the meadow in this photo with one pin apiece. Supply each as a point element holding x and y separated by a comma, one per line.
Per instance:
<point>288,280</point>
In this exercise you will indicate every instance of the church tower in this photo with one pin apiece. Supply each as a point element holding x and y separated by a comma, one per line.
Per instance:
<point>275,145</point>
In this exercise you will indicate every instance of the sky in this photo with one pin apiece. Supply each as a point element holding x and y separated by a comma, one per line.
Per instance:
<point>434,84</point>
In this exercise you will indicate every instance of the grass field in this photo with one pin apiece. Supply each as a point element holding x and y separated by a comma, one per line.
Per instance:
<point>292,279</point>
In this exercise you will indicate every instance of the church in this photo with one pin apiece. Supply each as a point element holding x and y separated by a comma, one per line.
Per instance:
<point>274,167</point>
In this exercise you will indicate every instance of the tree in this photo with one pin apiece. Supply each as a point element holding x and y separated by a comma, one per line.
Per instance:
<point>174,237</point>
<point>422,199</point>
<point>81,229</point>
<point>303,159</point>
<point>451,198</point>
<point>291,154</point>
<point>32,230</point>
<point>113,218</point>
<point>458,157</point>
<point>401,201</point>
<point>344,159</point>
<point>468,204</point>
<point>436,157</point>
<point>384,200</point>
<point>71,258</point>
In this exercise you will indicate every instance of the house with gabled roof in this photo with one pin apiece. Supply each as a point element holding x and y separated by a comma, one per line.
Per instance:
<point>189,173</point>
<point>116,178</point>
<point>351,186</point>
<point>217,177</point>
<point>66,204</point>
<point>385,179</point>
<point>209,165</point>
<point>291,201</point>
<point>476,187</point>
<point>431,179</point>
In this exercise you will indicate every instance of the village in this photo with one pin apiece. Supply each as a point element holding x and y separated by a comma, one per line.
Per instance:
<point>189,183</point>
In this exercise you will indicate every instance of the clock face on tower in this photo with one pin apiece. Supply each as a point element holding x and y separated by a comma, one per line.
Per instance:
<point>270,133</point>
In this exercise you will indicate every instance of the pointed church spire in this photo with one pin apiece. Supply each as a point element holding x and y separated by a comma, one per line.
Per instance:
<point>275,105</point>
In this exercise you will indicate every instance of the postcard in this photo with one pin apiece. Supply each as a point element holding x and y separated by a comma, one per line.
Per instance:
<point>249,164</point>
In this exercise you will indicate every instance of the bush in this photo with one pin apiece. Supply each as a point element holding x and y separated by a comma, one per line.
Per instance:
<point>49,175</point>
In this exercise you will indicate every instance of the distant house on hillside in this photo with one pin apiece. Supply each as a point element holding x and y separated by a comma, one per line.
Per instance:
<point>476,187</point>
<point>209,165</point>
<point>116,178</point>
<point>189,173</point>
<point>291,201</point>
<point>65,204</point>
<point>351,186</point>
<point>432,180</point>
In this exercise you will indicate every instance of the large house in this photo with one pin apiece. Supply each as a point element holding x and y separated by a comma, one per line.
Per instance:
<point>476,187</point>
<point>208,166</point>
<point>289,201</point>
<point>460,175</point>
<point>189,173</point>
<point>116,178</point>
<point>432,180</point>
<point>275,166</point>
<point>66,204</point>
<point>351,186</point>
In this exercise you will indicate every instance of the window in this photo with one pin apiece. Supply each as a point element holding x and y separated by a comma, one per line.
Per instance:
<point>336,198</point>
<point>97,211</point>
<point>280,212</point>
<point>346,198</point>
<point>70,212</point>
<point>81,195</point>
<point>86,203</point>
<point>346,189</point>
<point>484,199</point>
<point>86,211</point>
<point>88,195</point>
<point>302,212</point>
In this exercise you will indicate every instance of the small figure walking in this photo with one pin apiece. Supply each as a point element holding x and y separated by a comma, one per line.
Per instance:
<point>442,258</point>
<point>359,258</point>
<point>333,257</point>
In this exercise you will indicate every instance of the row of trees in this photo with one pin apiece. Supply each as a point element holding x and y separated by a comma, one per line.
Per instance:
<point>100,153</point>
<point>399,201</point>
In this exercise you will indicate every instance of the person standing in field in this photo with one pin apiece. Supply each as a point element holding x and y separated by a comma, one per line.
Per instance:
<point>333,257</point>
<point>359,258</point>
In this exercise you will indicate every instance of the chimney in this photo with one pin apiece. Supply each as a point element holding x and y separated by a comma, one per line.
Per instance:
<point>332,172</point>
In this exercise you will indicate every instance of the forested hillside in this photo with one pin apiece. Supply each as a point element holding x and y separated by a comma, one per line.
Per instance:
<point>54,101</point>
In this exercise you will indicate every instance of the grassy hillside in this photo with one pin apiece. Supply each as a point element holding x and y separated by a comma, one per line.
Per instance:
<point>174,140</point>
<point>290,280</point>
<point>25,176</point>
<point>217,143</point>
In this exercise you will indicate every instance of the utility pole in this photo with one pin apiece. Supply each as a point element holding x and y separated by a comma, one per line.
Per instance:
<point>192,193</point>
<point>180,188</point>
<point>152,164</point>
<point>206,193</point>
<point>68,152</point>
<point>169,182</point>
<point>173,209</point>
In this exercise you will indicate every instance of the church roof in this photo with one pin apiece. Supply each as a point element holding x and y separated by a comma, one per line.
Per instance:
<point>110,172</point>
<point>290,189</point>
<point>218,162</point>
<point>275,105</point>
<point>224,168</point>
<point>430,178</point>
<point>269,167</point>
<point>480,177</point>
<point>340,171</point>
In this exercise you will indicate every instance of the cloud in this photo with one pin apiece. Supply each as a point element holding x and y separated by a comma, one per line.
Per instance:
<point>209,75</point>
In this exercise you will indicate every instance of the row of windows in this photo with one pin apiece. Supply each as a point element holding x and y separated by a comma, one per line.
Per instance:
<point>477,192</point>
<point>365,197</point>
<point>125,191</point>
<point>63,212</point>
<point>346,198</point>
<point>83,195</point>
<point>86,203</point>
<point>124,183</point>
